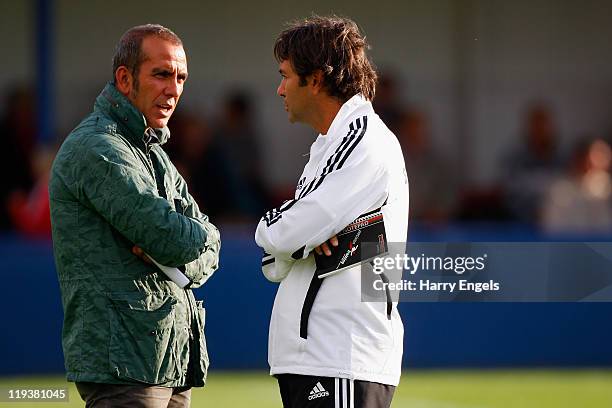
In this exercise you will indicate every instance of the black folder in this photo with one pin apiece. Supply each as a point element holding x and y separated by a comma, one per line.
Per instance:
<point>368,229</point>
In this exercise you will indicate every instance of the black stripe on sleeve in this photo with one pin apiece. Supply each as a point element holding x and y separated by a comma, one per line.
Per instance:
<point>350,150</point>
<point>340,149</point>
<point>299,254</point>
<point>267,261</point>
<point>277,214</point>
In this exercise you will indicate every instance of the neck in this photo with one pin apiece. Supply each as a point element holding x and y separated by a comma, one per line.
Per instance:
<point>326,112</point>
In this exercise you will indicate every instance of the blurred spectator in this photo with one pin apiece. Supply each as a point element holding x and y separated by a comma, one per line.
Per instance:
<point>191,149</point>
<point>433,185</point>
<point>29,211</point>
<point>387,102</point>
<point>531,168</point>
<point>478,203</point>
<point>18,129</point>
<point>222,166</point>
<point>236,140</point>
<point>581,201</point>
<point>189,141</point>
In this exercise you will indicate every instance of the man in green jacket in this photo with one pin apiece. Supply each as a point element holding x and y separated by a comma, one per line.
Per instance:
<point>131,336</point>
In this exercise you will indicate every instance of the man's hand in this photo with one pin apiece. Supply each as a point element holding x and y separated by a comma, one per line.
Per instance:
<point>136,250</point>
<point>324,247</point>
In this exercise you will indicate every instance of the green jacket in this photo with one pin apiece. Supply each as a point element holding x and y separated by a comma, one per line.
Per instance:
<point>112,186</point>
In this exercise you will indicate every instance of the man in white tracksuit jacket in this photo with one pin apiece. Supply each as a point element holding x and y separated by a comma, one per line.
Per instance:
<point>327,348</point>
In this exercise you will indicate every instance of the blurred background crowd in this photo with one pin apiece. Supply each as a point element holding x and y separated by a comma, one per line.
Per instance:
<point>542,183</point>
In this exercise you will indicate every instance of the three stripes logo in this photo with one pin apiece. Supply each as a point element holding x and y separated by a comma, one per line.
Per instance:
<point>318,392</point>
<point>275,214</point>
<point>301,183</point>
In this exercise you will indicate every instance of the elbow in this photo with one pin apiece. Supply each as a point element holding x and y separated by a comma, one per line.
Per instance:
<point>280,247</point>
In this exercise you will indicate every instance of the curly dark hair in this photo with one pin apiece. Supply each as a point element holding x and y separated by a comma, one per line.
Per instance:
<point>333,45</point>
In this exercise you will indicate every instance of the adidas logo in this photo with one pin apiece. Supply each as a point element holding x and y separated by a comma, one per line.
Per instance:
<point>317,392</point>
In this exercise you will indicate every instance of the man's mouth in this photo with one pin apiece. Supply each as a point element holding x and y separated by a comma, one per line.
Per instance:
<point>164,107</point>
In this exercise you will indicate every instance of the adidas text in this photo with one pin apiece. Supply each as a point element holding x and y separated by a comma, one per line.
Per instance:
<point>317,392</point>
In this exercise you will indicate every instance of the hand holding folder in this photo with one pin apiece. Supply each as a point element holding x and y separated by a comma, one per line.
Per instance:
<point>350,251</point>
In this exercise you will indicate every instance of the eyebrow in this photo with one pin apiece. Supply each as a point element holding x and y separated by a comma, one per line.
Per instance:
<point>166,70</point>
<point>162,70</point>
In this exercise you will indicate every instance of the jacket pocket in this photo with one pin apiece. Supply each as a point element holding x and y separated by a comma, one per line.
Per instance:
<point>204,361</point>
<point>142,343</point>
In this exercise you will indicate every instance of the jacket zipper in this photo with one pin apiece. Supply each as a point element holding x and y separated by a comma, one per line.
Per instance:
<point>194,346</point>
<point>149,162</point>
<point>161,188</point>
<point>194,341</point>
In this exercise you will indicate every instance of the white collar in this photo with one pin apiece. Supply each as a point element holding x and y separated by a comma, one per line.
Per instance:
<point>347,109</point>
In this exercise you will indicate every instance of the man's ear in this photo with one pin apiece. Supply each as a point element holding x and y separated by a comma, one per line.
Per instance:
<point>317,81</point>
<point>124,80</point>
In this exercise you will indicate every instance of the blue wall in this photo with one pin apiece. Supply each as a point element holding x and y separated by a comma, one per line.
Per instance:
<point>239,300</point>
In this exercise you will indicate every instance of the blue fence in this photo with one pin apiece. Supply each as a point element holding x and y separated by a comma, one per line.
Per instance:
<point>239,301</point>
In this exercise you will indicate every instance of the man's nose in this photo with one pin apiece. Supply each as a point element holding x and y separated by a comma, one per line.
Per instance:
<point>280,91</point>
<point>174,88</point>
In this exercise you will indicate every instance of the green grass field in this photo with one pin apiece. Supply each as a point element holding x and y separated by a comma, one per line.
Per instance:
<point>418,389</point>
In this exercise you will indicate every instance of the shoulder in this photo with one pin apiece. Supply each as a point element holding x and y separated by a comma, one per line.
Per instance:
<point>369,134</point>
<point>96,138</point>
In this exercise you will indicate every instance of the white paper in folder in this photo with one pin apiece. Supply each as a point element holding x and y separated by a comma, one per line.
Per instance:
<point>174,274</point>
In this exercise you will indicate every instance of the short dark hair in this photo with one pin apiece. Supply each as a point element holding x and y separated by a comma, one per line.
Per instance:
<point>129,48</point>
<point>333,45</point>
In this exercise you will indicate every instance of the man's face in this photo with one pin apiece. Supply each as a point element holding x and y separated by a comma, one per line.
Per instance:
<point>297,97</point>
<point>160,80</point>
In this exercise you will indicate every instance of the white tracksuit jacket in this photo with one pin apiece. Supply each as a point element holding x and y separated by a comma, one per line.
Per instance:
<point>357,167</point>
